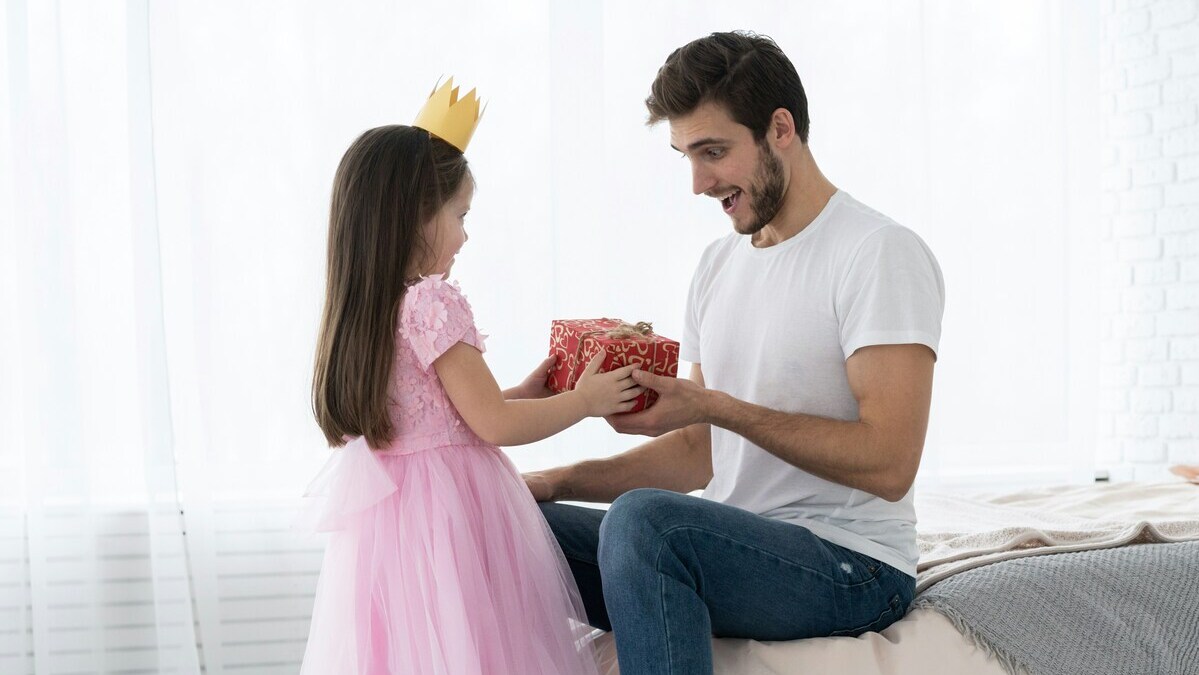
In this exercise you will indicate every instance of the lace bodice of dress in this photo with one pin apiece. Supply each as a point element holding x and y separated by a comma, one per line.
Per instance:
<point>434,316</point>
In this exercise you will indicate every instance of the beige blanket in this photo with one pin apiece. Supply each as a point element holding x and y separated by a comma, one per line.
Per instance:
<point>957,533</point>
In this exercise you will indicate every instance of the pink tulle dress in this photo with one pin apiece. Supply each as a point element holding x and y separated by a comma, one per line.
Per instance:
<point>439,560</point>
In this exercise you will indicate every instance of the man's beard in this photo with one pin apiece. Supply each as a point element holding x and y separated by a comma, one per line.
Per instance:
<point>766,189</point>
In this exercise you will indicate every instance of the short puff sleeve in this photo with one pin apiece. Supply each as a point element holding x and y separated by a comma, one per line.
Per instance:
<point>435,316</point>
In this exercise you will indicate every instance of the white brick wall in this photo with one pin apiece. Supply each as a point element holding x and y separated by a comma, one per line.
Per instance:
<point>1149,403</point>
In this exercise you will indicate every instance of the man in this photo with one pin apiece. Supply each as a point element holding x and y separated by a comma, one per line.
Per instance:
<point>813,332</point>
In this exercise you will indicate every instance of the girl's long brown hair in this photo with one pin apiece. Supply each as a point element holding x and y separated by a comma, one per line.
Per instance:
<point>390,183</point>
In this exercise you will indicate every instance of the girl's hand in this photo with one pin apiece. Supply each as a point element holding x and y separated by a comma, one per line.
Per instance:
<point>534,386</point>
<point>607,393</point>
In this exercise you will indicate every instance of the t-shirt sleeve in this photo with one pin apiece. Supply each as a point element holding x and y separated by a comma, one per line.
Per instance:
<point>893,293</point>
<point>689,346</point>
<point>435,316</point>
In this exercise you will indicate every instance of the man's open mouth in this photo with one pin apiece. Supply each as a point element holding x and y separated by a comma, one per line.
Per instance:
<point>730,202</point>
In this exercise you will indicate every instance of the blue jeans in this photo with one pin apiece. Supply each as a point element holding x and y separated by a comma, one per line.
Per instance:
<point>667,571</point>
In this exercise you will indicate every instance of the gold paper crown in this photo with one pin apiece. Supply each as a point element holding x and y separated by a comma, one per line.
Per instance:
<point>450,119</point>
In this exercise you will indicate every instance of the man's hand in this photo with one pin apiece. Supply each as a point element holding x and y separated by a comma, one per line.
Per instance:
<point>533,386</point>
<point>540,485</point>
<point>680,404</point>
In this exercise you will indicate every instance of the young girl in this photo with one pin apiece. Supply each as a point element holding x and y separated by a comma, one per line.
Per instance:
<point>439,559</point>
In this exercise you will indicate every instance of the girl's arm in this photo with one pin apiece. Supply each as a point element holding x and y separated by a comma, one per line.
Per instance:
<point>473,391</point>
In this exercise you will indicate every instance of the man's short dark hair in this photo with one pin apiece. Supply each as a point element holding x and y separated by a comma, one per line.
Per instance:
<point>744,72</point>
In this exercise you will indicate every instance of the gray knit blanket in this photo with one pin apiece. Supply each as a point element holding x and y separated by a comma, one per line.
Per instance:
<point>1131,610</point>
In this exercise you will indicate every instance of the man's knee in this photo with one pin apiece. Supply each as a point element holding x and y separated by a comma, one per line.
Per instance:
<point>631,532</point>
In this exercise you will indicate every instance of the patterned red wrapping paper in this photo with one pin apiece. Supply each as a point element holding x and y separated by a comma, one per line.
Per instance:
<point>574,342</point>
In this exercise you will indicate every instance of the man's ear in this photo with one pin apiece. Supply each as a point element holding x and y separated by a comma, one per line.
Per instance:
<point>781,132</point>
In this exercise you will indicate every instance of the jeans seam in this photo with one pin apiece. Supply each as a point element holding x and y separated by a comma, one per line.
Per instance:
<point>665,623</point>
<point>873,578</point>
<point>890,610</point>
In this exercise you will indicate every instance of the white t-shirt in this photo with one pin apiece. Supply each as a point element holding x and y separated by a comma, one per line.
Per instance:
<point>773,326</point>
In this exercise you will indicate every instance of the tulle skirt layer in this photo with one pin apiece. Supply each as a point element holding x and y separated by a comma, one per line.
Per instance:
<point>439,562</point>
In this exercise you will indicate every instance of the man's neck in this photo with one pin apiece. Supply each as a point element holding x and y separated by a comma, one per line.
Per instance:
<point>808,192</point>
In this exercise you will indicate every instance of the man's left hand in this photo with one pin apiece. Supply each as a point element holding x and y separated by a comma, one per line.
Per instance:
<point>680,404</point>
<point>536,384</point>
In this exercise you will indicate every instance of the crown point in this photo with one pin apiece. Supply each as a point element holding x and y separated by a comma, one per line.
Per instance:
<point>448,117</point>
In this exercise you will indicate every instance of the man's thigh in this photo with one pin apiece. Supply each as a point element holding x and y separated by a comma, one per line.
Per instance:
<point>759,577</point>
<point>577,530</point>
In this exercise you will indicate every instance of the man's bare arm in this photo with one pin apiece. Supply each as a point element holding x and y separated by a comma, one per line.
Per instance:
<point>879,452</point>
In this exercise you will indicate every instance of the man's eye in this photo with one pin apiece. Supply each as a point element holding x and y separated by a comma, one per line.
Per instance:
<point>716,153</point>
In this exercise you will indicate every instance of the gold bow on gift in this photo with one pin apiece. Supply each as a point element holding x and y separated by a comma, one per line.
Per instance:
<point>641,329</point>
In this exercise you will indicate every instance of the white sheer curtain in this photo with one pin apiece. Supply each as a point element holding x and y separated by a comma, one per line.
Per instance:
<point>164,176</point>
<point>95,569</point>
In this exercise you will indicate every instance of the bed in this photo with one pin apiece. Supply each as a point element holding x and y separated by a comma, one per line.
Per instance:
<point>1027,580</point>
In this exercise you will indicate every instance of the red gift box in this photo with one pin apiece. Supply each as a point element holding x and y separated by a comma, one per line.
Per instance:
<point>575,342</point>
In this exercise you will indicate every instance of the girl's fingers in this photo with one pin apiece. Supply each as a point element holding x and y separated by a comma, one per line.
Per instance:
<point>630,394</point>
<point>624,372</point>
<point>594,364</point>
